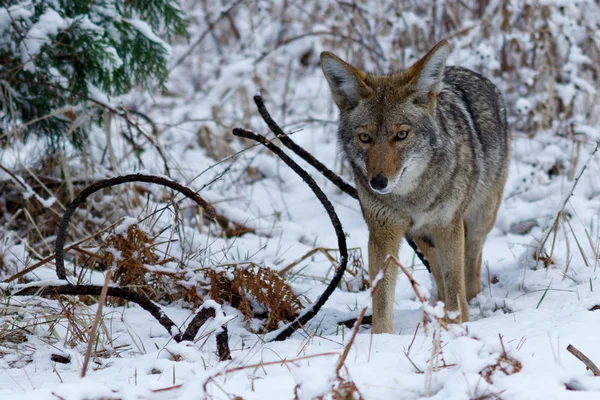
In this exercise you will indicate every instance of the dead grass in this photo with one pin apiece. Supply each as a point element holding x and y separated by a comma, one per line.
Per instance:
<point>31,322</point>
<point>356,277</point>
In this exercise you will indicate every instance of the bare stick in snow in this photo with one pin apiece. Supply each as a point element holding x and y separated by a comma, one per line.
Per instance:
<point>583,358</point>
<point>194,326</point>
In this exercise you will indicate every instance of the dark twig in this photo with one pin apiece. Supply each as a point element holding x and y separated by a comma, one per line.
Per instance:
<point>196,323</point>
<point>284,333</point>
<point>223,344</point>
<point>305,155</point>
<point>349,323</point>
<point>85,193</point>
<point>583,358</point>
<point>319,166</point>
<point>194,326</point>
<point>566,201</point>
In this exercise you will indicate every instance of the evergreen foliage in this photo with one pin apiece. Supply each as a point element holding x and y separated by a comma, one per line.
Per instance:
<point>61,59</point>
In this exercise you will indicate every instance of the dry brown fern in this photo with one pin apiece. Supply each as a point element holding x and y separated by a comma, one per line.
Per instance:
<point>135,251</point>
<point>255,291</point>
<point>133,254</point>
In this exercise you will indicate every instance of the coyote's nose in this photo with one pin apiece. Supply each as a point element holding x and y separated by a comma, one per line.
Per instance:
<point>379,182</point>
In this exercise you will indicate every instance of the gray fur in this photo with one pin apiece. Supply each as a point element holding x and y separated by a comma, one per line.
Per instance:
<point>445,179</point>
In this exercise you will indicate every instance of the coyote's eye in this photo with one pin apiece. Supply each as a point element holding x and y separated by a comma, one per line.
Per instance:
<point>401,135</point>
<point>364,137</point>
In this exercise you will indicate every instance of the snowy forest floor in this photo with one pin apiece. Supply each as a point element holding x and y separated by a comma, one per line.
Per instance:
<point>535,299</point>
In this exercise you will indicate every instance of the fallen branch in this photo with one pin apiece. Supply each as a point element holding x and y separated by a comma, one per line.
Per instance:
<point>319,166</point>
<point>142,301</point>
<point>93,188</point>
<point>310,312</point>
<point>94,290</point>
<point>583,358</point>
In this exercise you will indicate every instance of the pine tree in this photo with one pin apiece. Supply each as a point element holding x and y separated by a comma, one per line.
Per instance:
<point>60,60</point>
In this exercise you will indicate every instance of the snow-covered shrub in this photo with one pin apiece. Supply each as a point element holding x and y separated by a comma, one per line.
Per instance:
<point>61,59</point>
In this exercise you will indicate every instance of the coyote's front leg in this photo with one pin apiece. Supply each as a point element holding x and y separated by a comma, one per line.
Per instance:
<point>450,263</point>
<point>383,241</point>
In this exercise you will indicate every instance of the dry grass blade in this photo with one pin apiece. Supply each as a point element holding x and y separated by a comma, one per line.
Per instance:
<point>344,354</point>
<point>51,257</point>
<point>94,327</point>
<point>566,200</point>
<point>262,365</point>
<point>358,279</point>
<point>442,323</point>
<point>583,256</point>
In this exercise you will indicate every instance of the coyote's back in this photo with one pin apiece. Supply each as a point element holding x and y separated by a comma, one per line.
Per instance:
<point>429,148</point>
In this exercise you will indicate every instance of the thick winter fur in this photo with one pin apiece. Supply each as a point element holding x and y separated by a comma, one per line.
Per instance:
<point>429,148</point>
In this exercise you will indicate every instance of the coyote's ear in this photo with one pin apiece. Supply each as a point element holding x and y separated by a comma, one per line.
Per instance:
<point>427,73</point>
<point>346,82</point>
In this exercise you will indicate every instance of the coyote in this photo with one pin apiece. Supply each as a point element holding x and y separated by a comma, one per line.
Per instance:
<point>429,149</point>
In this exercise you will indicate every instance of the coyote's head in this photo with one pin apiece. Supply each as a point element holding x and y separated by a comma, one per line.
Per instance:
<point>388,128</point>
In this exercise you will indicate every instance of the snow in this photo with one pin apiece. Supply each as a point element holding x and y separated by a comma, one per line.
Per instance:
<point>15,12</point>
<point>49,24</point>
<point>143,28</point>
<point>123,227</point>
<point>526,310</point>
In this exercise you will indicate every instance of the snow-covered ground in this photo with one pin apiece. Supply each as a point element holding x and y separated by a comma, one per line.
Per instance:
<point>528,310</point>
<point>531,311</point>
